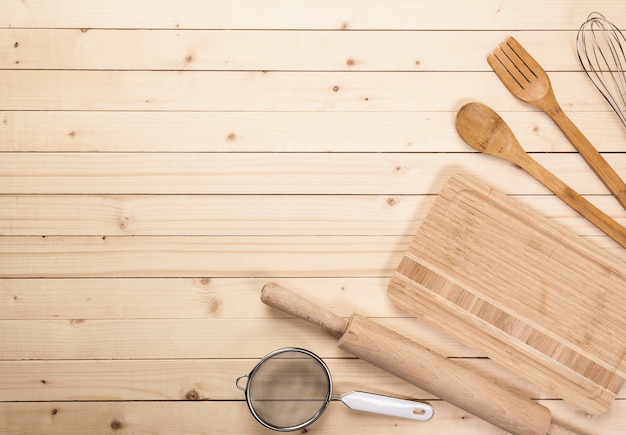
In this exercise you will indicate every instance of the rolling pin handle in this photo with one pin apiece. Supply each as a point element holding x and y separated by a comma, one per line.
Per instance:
<point>285,300</point>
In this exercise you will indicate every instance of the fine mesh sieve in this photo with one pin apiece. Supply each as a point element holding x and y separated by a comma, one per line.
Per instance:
<point>290,388</point>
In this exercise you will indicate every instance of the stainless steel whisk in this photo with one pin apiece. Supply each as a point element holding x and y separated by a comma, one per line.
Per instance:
<point>601,50</point>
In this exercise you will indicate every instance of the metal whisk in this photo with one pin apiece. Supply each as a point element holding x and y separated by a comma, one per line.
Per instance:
<point>601,50</point>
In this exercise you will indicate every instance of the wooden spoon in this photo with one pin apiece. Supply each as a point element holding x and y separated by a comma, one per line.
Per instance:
<point>484,130</point>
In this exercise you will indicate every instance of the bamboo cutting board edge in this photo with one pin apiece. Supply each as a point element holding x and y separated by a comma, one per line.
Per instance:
<point>592,384</point>
<point>562,381</point>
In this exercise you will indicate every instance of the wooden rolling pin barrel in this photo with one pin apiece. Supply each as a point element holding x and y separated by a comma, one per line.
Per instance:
<point>421,367</point>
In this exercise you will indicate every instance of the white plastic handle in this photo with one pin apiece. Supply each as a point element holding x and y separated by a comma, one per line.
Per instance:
<point>386,405</point>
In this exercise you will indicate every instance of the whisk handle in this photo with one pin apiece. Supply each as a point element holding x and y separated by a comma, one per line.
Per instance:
<point>590,154</point>
<point>285,300</point>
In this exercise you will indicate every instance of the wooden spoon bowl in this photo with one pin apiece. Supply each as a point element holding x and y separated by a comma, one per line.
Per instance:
<point>485,131</point>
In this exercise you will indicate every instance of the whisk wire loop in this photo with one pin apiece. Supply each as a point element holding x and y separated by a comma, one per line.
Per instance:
<point>601,49</point>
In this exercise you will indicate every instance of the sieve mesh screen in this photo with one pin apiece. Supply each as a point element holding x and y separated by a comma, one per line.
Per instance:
<point>289,389</point>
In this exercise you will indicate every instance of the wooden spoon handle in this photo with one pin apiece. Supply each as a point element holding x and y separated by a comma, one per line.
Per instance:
<point>590,154</point>
<point>592,213</point>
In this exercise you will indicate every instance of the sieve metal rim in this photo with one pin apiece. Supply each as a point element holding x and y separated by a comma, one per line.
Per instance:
<point>250,375</point>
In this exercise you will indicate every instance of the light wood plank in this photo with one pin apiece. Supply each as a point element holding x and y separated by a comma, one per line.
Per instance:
<point>215,418</point>
<point>276,91</point>
<point>191,338</point>
<point>258,215</point>
<point>90,131</point>
<point>158,185</point>
<point>182,298</point>
<point>205,379</point>
<point>273,50</point>
<point>321,14</point>
<point>280,173</point>
<point>219,256</point>
<point>210,256</point>
<point>246,131</point>
<point>212,214</point>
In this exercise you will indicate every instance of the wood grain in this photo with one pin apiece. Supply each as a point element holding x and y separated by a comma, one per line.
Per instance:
<point>210,379</point>
<point>326,14</point>
<point>161,161</point>
<point>270,91</point>
<point>276,173</point>
<point>240,215</point>
<point>277,50</point>
<point>145,131</point>
<point>212,256</point>
<point>207,338</point>
<point>218,256</point>
<point>499,277</point>
<point>179,298</point>
<point>213,418</point>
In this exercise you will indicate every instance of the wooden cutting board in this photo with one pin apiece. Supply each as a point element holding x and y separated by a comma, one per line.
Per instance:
<point>506,281</point>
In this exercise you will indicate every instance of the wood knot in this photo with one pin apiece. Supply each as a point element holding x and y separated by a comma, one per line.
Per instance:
<point>117,425</point>
<point>123,223</point>
<point>192,395</point>
<point>54,411</point>
<point>214,305</point>
<point>335,88</point>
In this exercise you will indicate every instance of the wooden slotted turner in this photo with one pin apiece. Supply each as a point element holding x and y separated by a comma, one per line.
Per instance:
<point>528,81</point>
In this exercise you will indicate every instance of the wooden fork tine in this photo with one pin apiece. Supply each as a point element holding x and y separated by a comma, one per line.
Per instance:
<point>528,81</point>
<point>515,63</point>
<point>514,66</point>
<point>524,57</point>
<point>508,73</point>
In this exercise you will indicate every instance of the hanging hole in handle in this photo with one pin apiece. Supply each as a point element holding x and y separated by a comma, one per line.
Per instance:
<point>424,411</point>
<point>239,379</point>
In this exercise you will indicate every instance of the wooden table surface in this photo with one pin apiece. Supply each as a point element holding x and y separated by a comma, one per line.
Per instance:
<point>161,161</point>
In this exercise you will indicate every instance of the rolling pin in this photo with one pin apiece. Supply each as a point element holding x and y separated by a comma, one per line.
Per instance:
<point>421,367</point>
